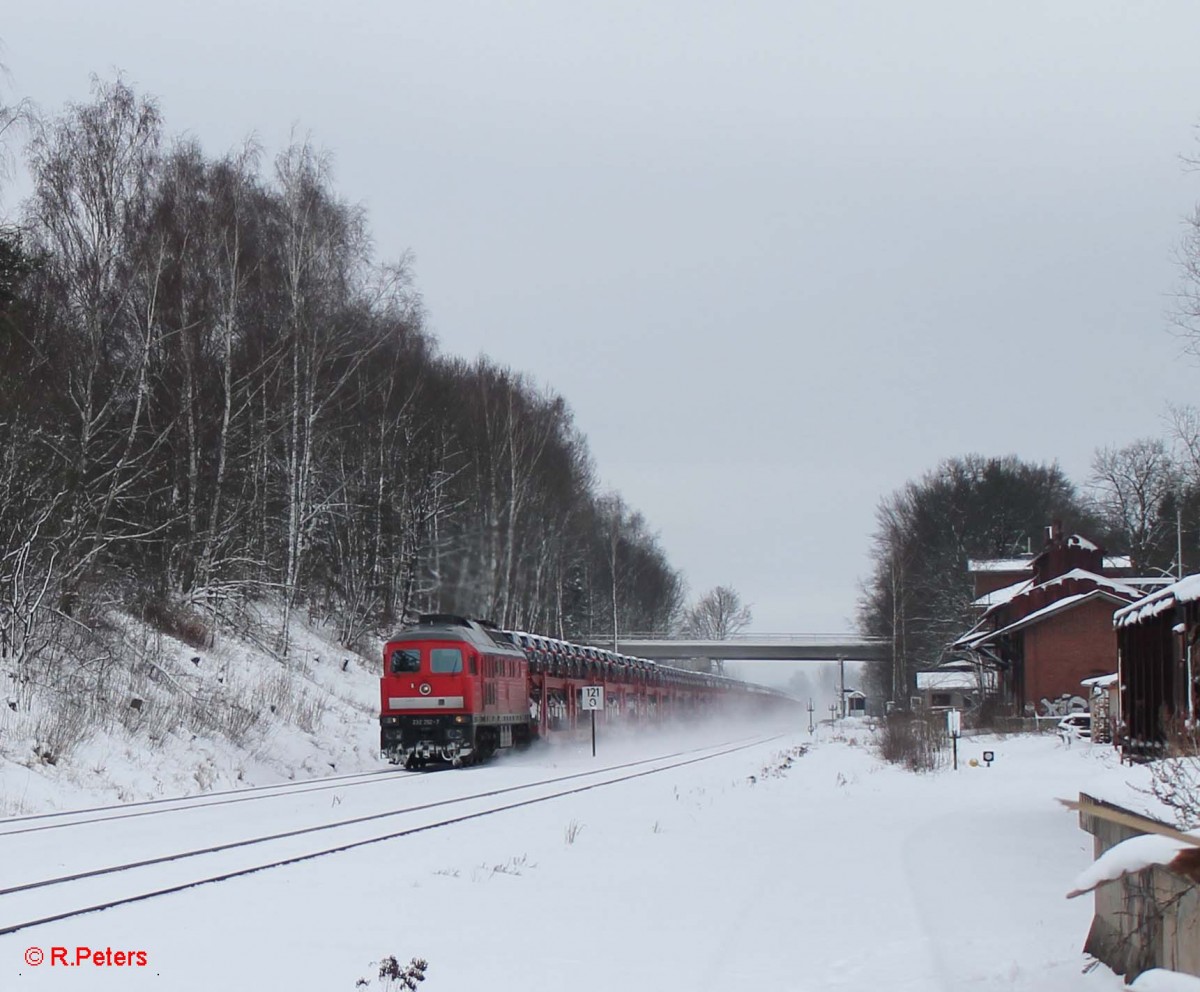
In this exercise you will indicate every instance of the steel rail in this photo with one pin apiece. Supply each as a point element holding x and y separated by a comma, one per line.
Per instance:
<point>5,821</point>
<point>202,802</point>
<point>297,859</point>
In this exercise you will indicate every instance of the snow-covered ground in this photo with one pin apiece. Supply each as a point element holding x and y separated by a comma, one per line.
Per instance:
<point>759,868</point>
<point>315,713</point>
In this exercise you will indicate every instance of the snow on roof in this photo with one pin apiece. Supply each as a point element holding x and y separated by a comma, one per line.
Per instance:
<point>1000,564</point>
<point>1100,681</point>
<point>1003,595</point>
<point>1124,588</point>
<point>1058,606</point>
<point>959,665</point>
<point>1148,582</point>
<point>1025,562</point>
<point>1186,590</point>
<point>1127,857</point>
<point>947,680</point>
<point>1162,980</point>
<point>969,639</point>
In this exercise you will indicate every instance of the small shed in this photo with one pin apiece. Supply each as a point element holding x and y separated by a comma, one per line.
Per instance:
<point>1158,670</point>
<point>854,702</point>
<point>945,689</point>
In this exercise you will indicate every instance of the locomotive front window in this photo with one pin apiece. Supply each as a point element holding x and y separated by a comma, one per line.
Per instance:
<point>445,661</point>
<point>405,660</point>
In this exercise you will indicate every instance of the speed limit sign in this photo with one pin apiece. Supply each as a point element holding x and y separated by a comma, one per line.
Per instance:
<point>591,697</point>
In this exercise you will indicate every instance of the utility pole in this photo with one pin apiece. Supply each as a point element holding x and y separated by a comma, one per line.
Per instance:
<point>810,716</point>
<point>842,686</point>
<point>1179,539</point>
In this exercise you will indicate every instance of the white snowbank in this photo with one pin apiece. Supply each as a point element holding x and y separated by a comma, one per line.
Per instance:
<point>1127,857</point>
<point>1160,980</point>
<point>314,713</point>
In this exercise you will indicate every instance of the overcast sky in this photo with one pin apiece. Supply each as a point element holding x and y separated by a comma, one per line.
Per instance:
<point>779,257</point>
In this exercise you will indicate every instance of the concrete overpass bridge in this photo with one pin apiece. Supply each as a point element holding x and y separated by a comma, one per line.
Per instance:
<point>751,647</point>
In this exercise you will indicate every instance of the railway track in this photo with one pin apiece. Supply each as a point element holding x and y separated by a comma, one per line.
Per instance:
<point>157,807</point>
<point>63,897</point>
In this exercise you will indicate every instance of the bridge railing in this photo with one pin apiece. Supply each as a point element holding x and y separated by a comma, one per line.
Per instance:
<point>743,636</point>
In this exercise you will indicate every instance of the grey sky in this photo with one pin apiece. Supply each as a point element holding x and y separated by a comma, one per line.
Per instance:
<point>778,256</point>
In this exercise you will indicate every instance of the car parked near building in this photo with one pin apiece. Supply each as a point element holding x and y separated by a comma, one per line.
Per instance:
<point>1076,726</point>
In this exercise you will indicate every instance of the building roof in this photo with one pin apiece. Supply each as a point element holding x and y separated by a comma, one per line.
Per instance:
<point>1146,583</point>
<point>1002,595</point>
<point>1119,586</point>
<point>1024,563</point>
<point>947,680</point>
<point>976,638</point>
<point>960,664</point>
<point>1133,586</point>
<point>1186,590</point>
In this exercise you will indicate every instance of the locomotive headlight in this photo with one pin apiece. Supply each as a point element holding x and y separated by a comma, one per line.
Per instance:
<point>460,719</point>
<point>390,721</point>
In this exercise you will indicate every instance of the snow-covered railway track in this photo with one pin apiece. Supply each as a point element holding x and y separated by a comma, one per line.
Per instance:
<point>53,899</point>
<point>62,819</point>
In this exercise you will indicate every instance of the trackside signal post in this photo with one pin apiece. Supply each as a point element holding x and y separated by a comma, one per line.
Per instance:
<point>954,729</point>
<point>592,698</point>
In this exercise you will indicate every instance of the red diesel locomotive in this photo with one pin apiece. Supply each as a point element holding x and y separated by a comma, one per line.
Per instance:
<point>452,690</point>
<point>456,690</point>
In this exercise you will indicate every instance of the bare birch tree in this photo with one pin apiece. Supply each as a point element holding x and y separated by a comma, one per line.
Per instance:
<point>717,615</point>
<point>1136,489</point>
<point>323,250</point>
<point>93,171</point>
<point>208,389</point>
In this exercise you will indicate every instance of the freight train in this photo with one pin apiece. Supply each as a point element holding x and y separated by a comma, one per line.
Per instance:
<point>457,690</point>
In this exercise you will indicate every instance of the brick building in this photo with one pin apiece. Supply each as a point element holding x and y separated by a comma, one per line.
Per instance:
<point>1050,627</point>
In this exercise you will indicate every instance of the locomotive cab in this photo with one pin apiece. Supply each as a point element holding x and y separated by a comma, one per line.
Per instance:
<point>452,691</point>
